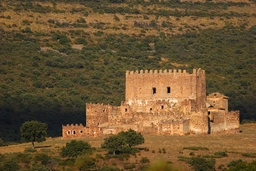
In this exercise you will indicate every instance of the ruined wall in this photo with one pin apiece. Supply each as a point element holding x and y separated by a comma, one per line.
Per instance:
<point>96,114</point>
<point>199,122</point>
<point>79,131</point>
<point>218,122</point>
<point>172,86</point>
<point>232,120</point>
<point>218,100</point>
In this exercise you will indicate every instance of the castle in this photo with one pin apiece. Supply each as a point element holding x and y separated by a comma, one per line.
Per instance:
<point>160,102</point>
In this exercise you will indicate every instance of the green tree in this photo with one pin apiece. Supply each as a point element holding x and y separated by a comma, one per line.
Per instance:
<point>114,143</point>
<point>123,141</point>
<point>33,131</point>
<point>75,148</point>
<point>132,137</point>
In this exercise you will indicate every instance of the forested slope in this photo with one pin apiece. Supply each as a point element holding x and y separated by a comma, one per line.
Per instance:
<point>56,56</point>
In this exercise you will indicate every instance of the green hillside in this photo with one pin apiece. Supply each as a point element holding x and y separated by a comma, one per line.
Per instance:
<point>55,56</point>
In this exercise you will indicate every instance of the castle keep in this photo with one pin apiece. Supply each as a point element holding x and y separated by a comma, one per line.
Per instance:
<point>160,102</point>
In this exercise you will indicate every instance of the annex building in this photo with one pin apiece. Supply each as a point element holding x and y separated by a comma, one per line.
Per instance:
<point>171,102</point>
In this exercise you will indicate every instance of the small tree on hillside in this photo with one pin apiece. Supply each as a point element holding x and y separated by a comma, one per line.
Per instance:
<point>132,137</point>
<point>33,131</point>
<point>75,148</point>
<point>114,143</point>
<point>123,141</point>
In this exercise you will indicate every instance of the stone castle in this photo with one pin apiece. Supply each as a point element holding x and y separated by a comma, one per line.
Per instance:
<point>160,102</point>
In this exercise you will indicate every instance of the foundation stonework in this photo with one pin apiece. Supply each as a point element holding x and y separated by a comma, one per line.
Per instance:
<point>160,102</point>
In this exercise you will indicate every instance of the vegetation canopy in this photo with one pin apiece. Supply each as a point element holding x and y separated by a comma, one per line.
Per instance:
<point>123,141</point>
<point>33,131</point>
<point>75,148</point>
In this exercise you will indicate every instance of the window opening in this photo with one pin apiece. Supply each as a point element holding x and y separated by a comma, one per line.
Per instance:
<point>162,107</point>
<point>125,109</point>
<point>68,132</point>
<point>81,131</point>
<point>150,109</point>
<point>74,132</point>
<point>168,89</point>
<point>154,90</point>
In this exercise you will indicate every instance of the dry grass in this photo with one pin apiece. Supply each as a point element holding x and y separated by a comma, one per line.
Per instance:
<point>233,144</point>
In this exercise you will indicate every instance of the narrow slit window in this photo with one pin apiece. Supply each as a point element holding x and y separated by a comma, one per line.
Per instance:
<point>74,132</point>
<point>154,90</point>
<point>125,109</point>
<point>168,89</point>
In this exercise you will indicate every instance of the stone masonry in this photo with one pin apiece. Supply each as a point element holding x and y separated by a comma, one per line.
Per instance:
<point>160,102</point>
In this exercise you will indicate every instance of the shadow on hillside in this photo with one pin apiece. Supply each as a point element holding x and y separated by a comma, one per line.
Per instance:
<point>43,146</point>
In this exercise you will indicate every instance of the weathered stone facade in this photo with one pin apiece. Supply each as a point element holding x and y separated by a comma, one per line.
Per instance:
<point>160,102</point>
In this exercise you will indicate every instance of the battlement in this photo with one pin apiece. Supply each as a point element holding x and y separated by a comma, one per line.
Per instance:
<point>73,125</point>
<point>96,104</point>
<point>170,71</point>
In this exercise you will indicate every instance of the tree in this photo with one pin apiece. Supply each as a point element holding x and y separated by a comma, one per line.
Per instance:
<point>123,141</point>
<point>132,137</point>
<point>33,131</point>
<point>75,148</point>
<point>114,143</point>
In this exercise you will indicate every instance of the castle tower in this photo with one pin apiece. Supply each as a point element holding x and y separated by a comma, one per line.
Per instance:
<point>172,86</point>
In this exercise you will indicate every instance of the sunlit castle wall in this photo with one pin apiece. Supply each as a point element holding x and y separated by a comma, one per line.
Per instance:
<point>171,86</point>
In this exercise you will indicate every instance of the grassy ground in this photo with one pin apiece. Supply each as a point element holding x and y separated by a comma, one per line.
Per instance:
<point>233,144</point>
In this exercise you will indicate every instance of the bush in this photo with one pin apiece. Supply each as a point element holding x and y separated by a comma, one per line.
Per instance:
<point>39,167</point>
<point>23,157</point>
<point>195,148</point>
<point>192,154</point>
<point>220,154</point>
<point>75,148</point>
<point>252,155</point>
<point>129,166</point>
<point>144,160</point>
<point>202,164</point>
<point>44,159</point>
<point>159,151</point>
<point>234,162</point>
<point>85,163</point>
<point>163,150</point>
<point>10,165</point>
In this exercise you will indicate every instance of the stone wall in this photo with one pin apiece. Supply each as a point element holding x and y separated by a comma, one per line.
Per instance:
<point>96,114</point>
<point>172,86</point>
<point>78,131</point>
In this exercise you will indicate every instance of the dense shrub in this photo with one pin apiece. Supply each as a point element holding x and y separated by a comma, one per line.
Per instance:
<point>202,164</point>
<point>144,160</point>
<point>195,148</point>
<point>220,154</point>
<point>75,148</point>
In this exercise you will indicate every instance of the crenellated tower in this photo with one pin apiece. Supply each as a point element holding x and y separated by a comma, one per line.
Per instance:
<point>173,86</point>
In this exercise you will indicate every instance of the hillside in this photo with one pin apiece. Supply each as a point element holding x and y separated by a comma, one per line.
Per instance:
<point>56,56</point>
<point>175,148</point>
